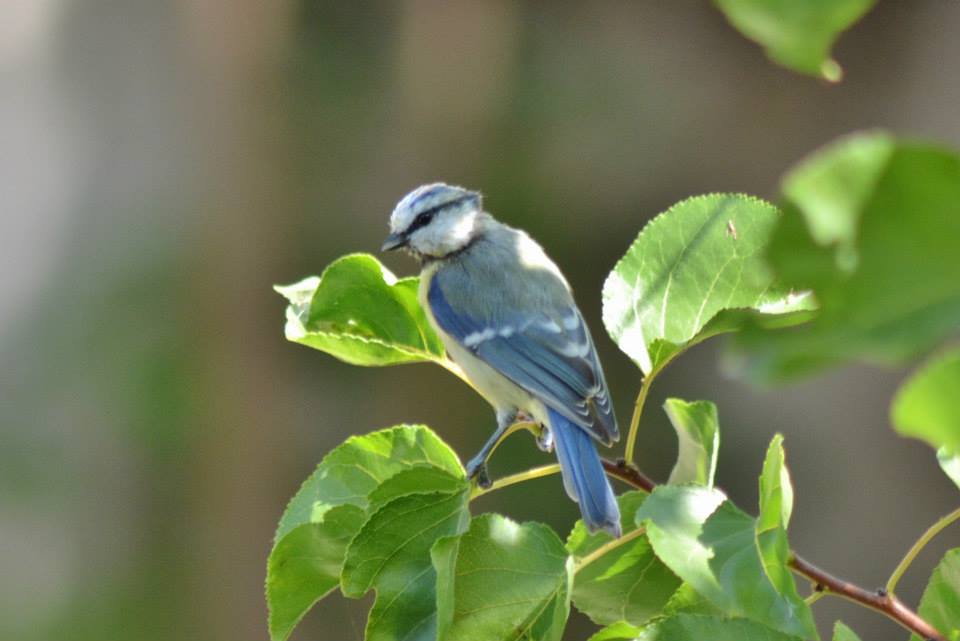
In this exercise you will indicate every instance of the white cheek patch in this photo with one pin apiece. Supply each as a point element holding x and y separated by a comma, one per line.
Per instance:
<point>449,232</point>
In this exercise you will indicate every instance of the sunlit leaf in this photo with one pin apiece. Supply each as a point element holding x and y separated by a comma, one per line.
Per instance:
<point>305,565</point>
<point>872,226</point>
<point>420,479</point>
<point>311,542</point>
<point>359,465</point>
<point>698,259</point>
<point>950,464</point>
<point>391,554</point>
<point>698,627</point>
<point>776,505</point>
<point>711,544</point>
<point>359,312</point>
<point>927,407</point>
<point>627,583</point>
<point>940,605</point>
<point>686,600</point>
<point>502,580</point>
<point>797,35</point>
<point>698,435</point>
<point>842,633</point>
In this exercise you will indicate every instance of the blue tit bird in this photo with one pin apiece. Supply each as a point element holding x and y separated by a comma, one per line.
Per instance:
<point>507,317</point>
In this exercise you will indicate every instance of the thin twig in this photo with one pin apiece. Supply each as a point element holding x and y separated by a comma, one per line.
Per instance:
<point>879,600</point>
<point>912,553</point>
<point>513,479</point>
<point>612,544</point>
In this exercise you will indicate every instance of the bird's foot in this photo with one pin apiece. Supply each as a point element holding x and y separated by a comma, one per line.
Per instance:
<point>477,471</point>
<point>545,439</point>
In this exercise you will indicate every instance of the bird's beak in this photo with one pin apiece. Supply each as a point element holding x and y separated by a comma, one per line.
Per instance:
<point>394,241</point>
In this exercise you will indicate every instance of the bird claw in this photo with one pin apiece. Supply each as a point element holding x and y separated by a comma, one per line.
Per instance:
<point>477,471</point>
<point>545,439</point>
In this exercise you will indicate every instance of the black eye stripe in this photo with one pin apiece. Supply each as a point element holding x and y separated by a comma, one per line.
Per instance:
<point>423,218</point>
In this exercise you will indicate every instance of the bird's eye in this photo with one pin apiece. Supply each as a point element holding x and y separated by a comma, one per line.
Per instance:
<point>423,219</point>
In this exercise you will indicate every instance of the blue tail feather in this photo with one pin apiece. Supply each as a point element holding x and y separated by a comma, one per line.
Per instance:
<point>583,475</point>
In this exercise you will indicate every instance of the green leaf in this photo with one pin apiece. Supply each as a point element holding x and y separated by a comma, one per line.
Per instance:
<point>688,601</point>
<point>711,544</point>
<point>940,605</point>
<point>359,312</point>
<point>619,631</point>
<point>698,434</point>
<point>797,35</point>
<point>697,627</point>
<point>926,406</point>
<point>698,259</point>
<point>322,518</point>
<point>776,505</point>
<point>842,633</point>
<point>305,564</point>
<point>420,479</point>
<point>359,465</point>
<point>391,554</point>
<point>627,583</point>
<point>502,580</point>
<point>871,225</point>
<point>950,464</point>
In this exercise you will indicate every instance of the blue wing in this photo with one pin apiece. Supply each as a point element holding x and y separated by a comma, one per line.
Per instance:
<point>551,356</point>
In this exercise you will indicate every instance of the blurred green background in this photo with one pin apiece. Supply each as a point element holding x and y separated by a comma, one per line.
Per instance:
<point>165,163</point>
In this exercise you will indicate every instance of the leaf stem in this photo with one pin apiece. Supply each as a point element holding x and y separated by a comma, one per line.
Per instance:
<point>513,479</point>
<point>635,419</point>
<point>612,544</point>
<point>912,553</point>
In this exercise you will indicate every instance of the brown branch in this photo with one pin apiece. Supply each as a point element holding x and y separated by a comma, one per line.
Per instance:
<point>629,474</point>
<point>879,600</point>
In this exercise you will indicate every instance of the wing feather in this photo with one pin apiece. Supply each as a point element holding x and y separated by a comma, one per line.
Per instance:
<point>551,356</point>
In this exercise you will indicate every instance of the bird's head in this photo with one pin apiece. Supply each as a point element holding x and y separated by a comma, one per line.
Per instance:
<point>434,221</point>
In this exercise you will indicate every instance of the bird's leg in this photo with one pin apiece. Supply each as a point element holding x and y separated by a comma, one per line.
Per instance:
<point>477,466</point>
<point>545,439</point>
<point>541,432</point>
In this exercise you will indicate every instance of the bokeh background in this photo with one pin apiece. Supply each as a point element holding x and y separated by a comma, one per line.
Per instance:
<point>164,163</point>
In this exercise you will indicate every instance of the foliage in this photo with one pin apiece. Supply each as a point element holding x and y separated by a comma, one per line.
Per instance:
<point>870,225</point>
<point>797,35</point>
<point>925,408</point>
<point>692,273</point>
<point>941,600</point>
<point>628,583</point>
<point>358,311</point>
